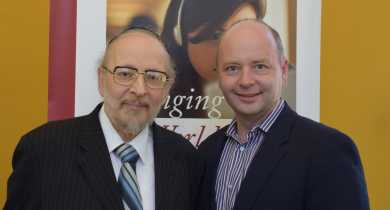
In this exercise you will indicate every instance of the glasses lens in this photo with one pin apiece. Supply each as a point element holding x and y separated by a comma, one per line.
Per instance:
<point>124,75</point>
<point>155,79</point>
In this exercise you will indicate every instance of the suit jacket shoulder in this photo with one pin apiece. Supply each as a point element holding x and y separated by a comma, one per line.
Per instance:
<point>38,142</point>
<point>334,165</point>
<point>321,140</point>
<point>53,131</point>
<point>301,163</point>
<point>63,165</point>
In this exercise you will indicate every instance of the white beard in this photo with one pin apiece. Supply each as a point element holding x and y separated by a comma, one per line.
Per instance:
<point>135,127</point>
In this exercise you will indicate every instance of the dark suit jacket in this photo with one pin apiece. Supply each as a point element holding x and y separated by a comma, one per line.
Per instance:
<point>66,165</point>
<point>301,165</point>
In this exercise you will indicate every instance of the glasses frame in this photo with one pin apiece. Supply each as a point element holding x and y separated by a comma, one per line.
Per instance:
<point>138,73</point>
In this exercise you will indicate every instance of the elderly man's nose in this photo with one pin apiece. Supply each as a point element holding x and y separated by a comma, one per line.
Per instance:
<point>139,86</point>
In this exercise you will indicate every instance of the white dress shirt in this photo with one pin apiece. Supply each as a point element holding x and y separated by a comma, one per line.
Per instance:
<point>143,144</point>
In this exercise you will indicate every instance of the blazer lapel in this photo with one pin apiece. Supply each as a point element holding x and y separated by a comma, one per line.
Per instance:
<point>166,169</point>
<point>95,163</point>
<point>267,158</point>
<point>214,162</point>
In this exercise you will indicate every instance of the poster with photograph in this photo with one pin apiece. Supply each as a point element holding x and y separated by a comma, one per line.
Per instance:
<point>190,29</point>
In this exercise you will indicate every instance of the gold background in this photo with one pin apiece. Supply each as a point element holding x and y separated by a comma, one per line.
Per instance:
<point>355,89</point>
<point>24,35</point>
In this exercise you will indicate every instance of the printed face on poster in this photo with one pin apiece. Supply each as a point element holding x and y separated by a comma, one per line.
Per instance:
<point>195,106</point>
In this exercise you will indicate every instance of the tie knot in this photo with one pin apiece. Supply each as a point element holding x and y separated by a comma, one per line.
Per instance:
<point>127,153</point>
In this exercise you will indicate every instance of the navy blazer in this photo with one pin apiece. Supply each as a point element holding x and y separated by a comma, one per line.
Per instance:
<point>66,165</point>
<point>301,165</point>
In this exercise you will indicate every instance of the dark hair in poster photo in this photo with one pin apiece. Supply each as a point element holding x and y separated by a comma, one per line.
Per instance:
<point>191,30</point>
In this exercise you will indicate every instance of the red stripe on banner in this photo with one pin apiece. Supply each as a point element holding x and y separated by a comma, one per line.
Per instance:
<point>62,58</point>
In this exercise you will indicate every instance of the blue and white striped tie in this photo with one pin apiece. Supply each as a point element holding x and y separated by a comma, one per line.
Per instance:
<point>127,177</point>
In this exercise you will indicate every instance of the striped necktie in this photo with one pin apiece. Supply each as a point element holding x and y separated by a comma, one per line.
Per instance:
<point>127,177</point>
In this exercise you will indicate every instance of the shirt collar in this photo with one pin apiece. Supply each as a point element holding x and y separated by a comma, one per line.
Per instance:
<point>141,143</point>
<point>263,125</point>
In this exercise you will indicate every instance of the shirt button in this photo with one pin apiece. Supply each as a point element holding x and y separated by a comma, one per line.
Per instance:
<point>242,148</point>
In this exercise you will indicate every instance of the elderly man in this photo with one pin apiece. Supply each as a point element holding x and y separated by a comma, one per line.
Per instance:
<point>269,157</point>
<point>114,158</point>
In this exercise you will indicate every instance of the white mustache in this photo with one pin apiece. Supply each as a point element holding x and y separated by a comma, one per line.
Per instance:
<point>140,103</point>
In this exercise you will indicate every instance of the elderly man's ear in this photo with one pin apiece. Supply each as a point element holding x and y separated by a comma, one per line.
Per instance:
<point>285,71</point>
<point>100,81</point>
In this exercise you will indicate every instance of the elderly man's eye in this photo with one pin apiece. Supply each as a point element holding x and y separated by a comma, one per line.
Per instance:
<point>125,74</point>
<point>155,79</point>
<point>154,76</point>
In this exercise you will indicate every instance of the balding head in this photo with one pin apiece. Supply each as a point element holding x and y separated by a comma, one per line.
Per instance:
<point>151,38</point>
<point>252,25</point>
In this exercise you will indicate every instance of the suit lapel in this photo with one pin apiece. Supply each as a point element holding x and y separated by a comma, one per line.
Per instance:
<point>267,158</point>
<point>215,159</point>
<point>95,163</point>
<point>166,170</point>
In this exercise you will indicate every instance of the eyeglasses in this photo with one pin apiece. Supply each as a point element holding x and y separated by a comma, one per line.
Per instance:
<point>124,75</point>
